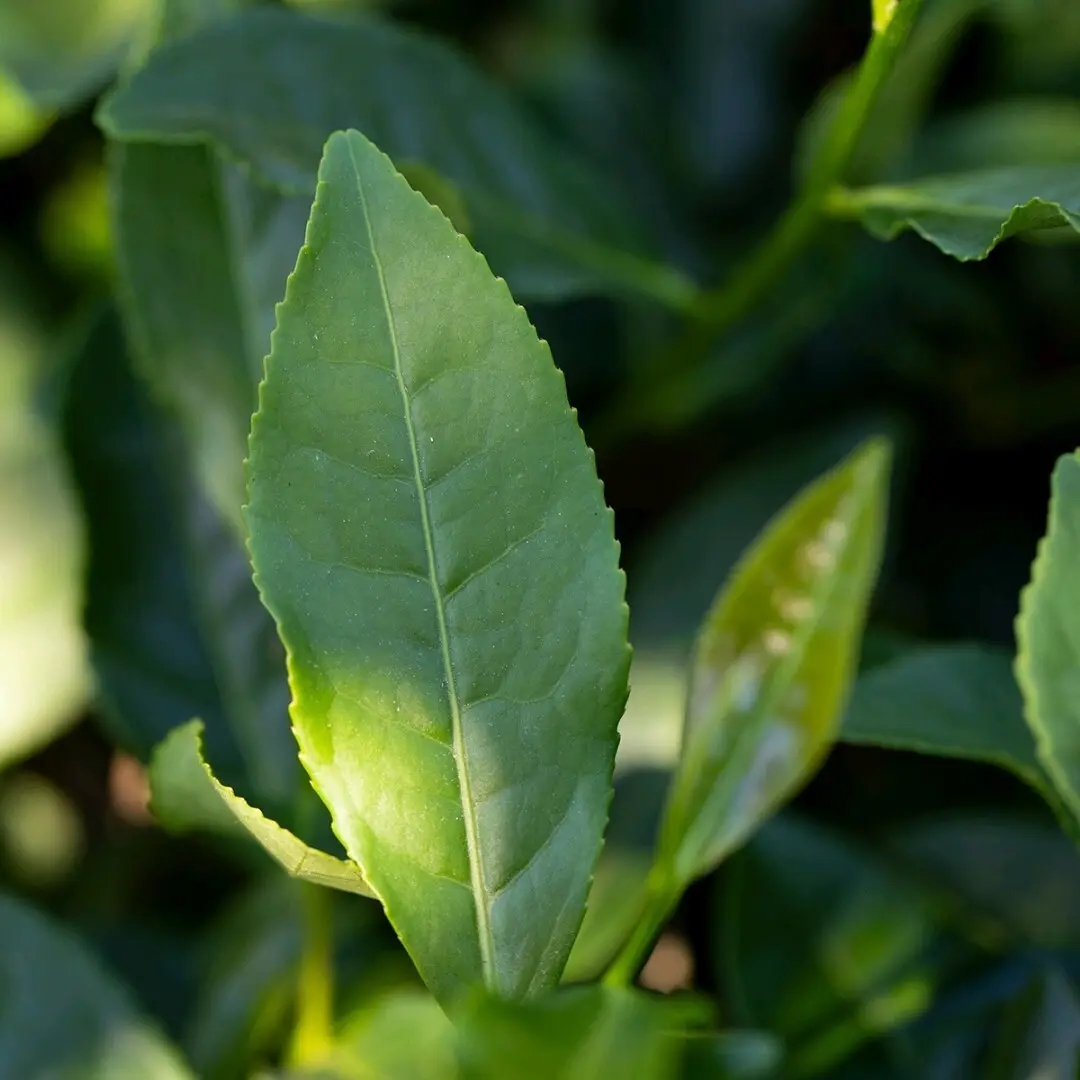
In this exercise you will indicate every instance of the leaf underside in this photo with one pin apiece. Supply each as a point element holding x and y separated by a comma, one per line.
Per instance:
<point>967,216</point>
<point>186,796</point>
<point>428,530</point>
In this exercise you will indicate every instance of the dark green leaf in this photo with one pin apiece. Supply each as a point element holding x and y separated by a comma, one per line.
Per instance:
<point>1012,882</point>
<point>774,663</point>
<point>732,1055</point>
<point>819,942</point>
<point>952,700</point>
<point>186,796</point>
<point>1039,1034</point>
<point>62,1017</point>
<point>967,216</point>
<point>586,1033</point>
<point>175,622</point>
<point>1048,637</point>
<point>428,530</point>
<point>270,86</point>
<point>204,253</point>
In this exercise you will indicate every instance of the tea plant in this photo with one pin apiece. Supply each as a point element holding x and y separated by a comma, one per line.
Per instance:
<point>354,592</point>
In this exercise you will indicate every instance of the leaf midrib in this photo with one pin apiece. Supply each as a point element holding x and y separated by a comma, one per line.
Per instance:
<point>483,917</point>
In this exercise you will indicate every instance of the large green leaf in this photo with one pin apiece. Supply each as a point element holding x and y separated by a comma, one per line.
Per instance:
<point>429,532</point>
<point>175,623</point>
<point>586,1033</point>
<point>951,700</point>
<point>62,1017</point>
<point>185,795</point>
<point>270,86</point>
<point>967,216</point>
<point>774,663</point>
<point>1048,637</point>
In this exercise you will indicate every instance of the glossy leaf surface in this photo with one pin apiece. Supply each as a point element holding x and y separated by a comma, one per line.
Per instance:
<point>774,663</point>
<point>186,796</point>
<point>1048,637</point>
<point>967,216</point>
<point>952,700</point>
<point>429,532</point>
<point>271,85</point>
<point>62,1017</point>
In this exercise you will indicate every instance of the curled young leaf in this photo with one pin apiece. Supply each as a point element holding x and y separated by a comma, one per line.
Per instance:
<point>186,796</point>
<point>967,216</point>
<point>428,529</point>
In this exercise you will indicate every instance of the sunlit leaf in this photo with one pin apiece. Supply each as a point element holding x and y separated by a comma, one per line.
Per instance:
<point>62,1017</point>
<point>458,655</point>
<point>400,1035</point>
<point>547,224</point>
<point>1048,637</point>
<point>186,796</point>
<point>22,122</point>
<point>967,216</point>
<point>43,664</point>
<point>585,1033</point>
<point>61,51</point>
<point>774,663</point>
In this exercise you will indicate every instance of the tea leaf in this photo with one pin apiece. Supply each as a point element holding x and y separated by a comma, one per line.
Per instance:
<point>967,216</point>
<point>952,700</point>
<point>774,663</point>
<point>176,627</point>
<point>1048,637</point>
<point>429,532</point>
<point>185,796</point>
<point>271,85</point>
<point>63,1016</point>
<point>586,1033</point>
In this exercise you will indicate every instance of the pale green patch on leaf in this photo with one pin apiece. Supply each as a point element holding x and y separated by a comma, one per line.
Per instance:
<point>968,215</point>
<point>884,10</point>
<point>1048,637</point>
<point>428,530</point>
<point>22,122</point>
<point>545,220</point>
<point>62,1016</point>
<point>186,796</point>
<point>774,664</point>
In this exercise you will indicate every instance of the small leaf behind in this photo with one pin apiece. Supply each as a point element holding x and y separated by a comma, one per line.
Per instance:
<point>967,216</point>
<point>61,1015</point>
<point>428,530</point>
<point>774,663</point>
<point>186,796</point>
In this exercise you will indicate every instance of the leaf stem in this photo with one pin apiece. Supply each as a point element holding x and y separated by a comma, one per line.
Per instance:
<point>313,1035</point>
<point>662,897</point>
<point>717,310</point>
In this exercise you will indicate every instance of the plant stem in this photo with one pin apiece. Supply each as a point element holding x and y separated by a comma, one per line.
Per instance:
<point>312,1038</point>
<point>717,310</point>
<point>661,900</point>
